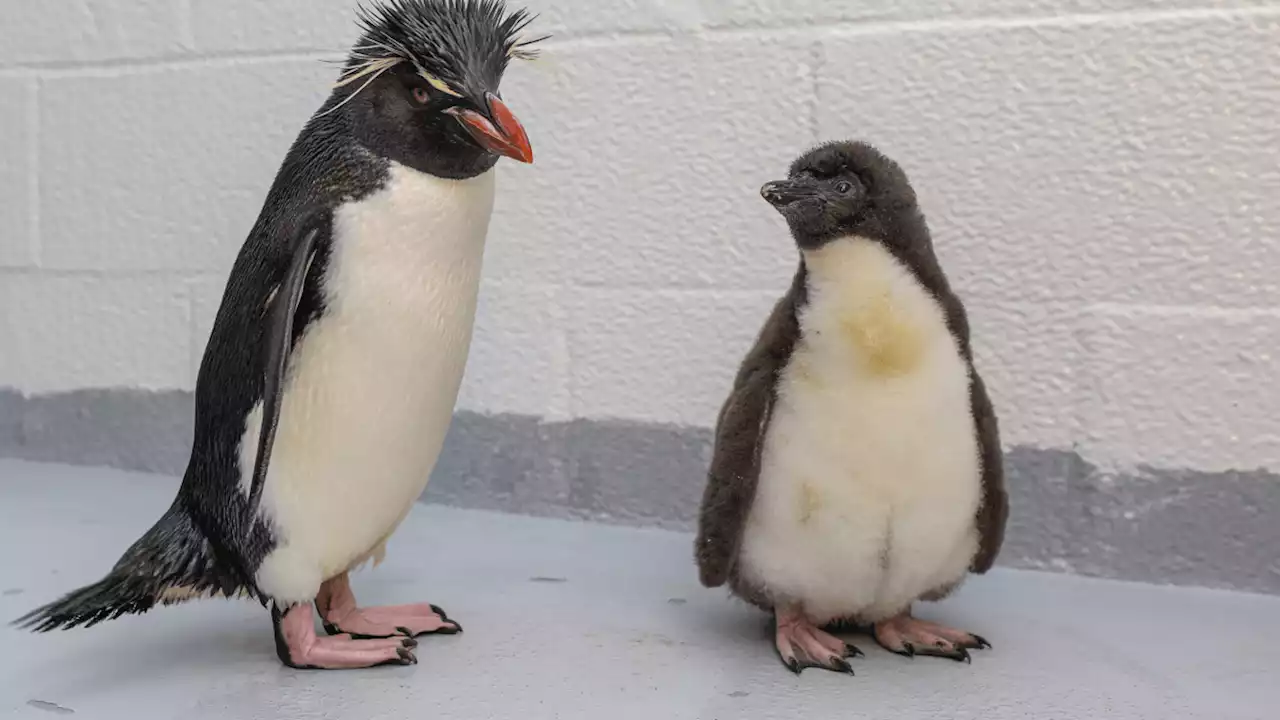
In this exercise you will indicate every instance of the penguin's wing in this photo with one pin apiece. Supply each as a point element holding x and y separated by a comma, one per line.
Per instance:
<point>277,342</point>
<point>271,295</point>
<point>994,510</point>
<point>733,476</point>
<point>739,441</point>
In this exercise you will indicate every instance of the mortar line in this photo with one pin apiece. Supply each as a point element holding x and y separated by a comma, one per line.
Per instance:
<point>123,273</point>
<point>186,32</point>
<point>193,355</point>
<point>1194,311</point>
<point>168,60</point>
<point>817,26</point>
<point>991,22</point>
<point>34,240</point>
<point>561,405</point>
<point>816,57</point>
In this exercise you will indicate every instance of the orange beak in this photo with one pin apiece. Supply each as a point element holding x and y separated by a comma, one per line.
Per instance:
<point>503,135</point>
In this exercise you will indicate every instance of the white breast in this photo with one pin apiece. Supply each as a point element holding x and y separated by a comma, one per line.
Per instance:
<point>870,477</point>
<point>373,382</point>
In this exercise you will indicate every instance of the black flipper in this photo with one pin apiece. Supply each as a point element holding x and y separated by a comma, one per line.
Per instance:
<point>277,344</point>
<point>993,512</point>
<point>172,562</point>
<point>739,441</point>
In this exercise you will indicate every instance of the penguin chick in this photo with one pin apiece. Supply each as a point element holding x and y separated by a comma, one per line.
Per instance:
<point>334,362</point>
<point>857,462</point>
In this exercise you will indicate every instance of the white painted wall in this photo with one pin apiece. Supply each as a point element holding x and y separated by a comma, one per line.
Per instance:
<point>1102,178</point>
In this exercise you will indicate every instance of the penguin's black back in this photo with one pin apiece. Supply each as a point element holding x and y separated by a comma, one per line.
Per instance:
<point>325,168</point>
<point>202,545</point>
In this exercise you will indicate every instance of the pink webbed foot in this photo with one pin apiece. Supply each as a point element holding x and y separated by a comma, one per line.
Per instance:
<point>299,647</point>
<point>802,645</point>
<point>909,636</point>
<point>341,615</point>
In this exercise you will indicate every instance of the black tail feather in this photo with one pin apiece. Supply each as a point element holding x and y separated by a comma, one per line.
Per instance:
<point>172,562</point>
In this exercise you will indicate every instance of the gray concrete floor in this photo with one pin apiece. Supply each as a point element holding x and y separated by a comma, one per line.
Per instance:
<point>574,620</point>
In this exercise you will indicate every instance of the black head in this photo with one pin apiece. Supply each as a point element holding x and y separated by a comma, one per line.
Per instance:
<point>841,189</point>
<point>421,85</point>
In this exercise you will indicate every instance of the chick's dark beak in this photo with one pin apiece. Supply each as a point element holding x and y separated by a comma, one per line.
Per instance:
<point>782,193</point>
<point>499,133</point>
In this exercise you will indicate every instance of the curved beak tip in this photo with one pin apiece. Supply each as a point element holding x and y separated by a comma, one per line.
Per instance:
<point>783,193</point>
<point>516,137</point>
<point>772,192</point>
<point>500,133</point>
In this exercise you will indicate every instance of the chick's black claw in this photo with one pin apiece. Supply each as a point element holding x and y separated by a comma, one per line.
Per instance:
<point>852,651</point>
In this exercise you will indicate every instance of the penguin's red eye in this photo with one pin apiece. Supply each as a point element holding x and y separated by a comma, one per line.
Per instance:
<point>421,95</point>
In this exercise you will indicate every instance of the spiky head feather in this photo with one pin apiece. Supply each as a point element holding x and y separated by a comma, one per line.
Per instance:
<point>447,40</point>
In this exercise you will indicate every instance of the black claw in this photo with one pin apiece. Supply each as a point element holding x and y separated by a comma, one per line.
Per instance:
<point>852,651</point>
<point>908,650</point>
<point>950,652</point>
<point>442,630</point>
<point>408,642</point>
<point>406,657</point>
<point>982,642</point>
<point>445,617</point>
<point>840,665</point>
<point>793,665</point>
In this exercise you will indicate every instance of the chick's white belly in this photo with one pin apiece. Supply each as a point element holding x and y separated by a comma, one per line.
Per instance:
<point>866,498</point>
<point>870,476</point>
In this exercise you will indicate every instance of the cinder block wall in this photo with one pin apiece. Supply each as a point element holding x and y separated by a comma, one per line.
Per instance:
<point>1101,175</point>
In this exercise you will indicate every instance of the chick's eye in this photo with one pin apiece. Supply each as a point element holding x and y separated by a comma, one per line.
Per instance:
<point>843,187</point>
<point>421,95</point>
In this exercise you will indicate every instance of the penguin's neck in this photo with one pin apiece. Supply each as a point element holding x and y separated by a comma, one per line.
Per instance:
<point>416,244</point>
<point>867,306</point>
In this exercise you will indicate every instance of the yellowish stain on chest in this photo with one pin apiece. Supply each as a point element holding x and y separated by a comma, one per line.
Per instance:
<point>809,501</point>
<point>870,307</point>
<point>887,342</point>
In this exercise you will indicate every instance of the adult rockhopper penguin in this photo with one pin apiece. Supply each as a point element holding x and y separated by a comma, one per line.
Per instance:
<point>334,362</point>
<point>857,463</point>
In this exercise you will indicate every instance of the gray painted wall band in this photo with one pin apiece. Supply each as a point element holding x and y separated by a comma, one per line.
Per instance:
<point>1185,527</point>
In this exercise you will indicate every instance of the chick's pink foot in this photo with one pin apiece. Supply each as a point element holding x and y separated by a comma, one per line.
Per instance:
<point>299,647</point>
<point>341,615</point>
<point>909,636</point>
<point>802,645</point>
